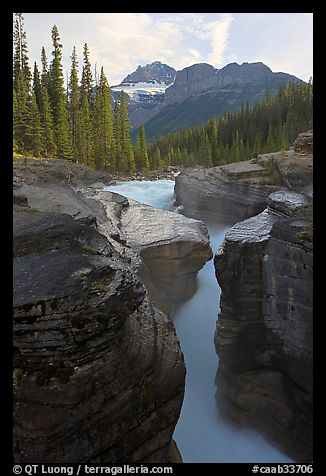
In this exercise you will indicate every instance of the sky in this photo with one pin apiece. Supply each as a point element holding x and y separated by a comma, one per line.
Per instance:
<point>121,41</point>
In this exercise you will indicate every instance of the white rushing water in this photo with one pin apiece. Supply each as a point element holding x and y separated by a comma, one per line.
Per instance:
<point>201,434</point>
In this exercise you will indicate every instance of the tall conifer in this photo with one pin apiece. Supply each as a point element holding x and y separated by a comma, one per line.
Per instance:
<point>58,99</point>
<point>103,126</point>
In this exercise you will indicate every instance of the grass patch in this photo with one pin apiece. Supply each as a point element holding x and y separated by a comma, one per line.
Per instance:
<point>90,249</point>
<point>272,174</point>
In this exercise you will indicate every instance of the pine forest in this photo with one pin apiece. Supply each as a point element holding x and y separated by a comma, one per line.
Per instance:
<point>80,121</point>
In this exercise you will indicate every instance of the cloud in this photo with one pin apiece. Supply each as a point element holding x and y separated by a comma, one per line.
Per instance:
<point>218,37</point>
<point>121,41</point>
<point>290,52</point>
<point>124,40</point>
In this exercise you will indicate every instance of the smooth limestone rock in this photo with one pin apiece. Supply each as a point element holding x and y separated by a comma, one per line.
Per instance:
<point>167,248</point>
<point>98,371</point>
<point>173,248</point>
<point>224,194</point>
<point>264,331</point>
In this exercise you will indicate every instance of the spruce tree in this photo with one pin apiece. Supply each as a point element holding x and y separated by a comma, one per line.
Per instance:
<point>212,131</point>
<point>103,126</point>
<point>87,77</point>
<point>45,70</point>
<point>73,105</point>
<point>141,155</point>
<point>125,159</point>
<point>21,62</point>
<point>21,84</point>
<point>37,87</point>
<point>33,133</point>
<point>86,126</point>
<point>14,114</point>
<point>58,99</point>
<point>21,117</point>
<point>49,145</point>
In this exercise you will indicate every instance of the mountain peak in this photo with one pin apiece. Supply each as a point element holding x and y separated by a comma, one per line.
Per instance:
<point>153,72</point>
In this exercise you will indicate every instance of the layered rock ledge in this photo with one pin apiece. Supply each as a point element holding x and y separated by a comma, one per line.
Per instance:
<point>223,194</point>
<point>231,193</point>
<point>264,331</point>
<point>98,371</point>
<point>173,248</point>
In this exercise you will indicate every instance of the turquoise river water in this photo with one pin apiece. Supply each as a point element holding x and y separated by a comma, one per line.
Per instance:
<point>202,435</point>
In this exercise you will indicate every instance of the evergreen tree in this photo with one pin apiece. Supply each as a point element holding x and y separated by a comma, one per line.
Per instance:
<point>141,155</point>
<point>155,162</point>
<point>21,84</point>
<point>73,105</point>
<point>212,132</point>
<point>37,88</point>
<point>45,70</point>
<point>270,145</point>
<point>58,99</point>
<point>33,133</point>
<point>86,135</point>
<point>21,118</point>
<point>49,145</point>
<point>21,63</point>
<point>14,114</point>
<point>205,157</point>
<point>87,78</point>
<point>125,159</point>
<point>103,126</point>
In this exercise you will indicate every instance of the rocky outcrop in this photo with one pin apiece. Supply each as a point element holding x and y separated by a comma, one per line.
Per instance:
<point>264,330</point>
<point>168,249</point>
<point>190,81</point>
<point>304,143</point>
<point>225,194</point>
<point>172,248</point>
<point>98,371</point>
<point>56,171</point>
<point>234,192</point>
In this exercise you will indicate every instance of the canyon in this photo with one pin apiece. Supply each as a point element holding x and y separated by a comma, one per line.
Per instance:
<point>264,267</point>
<point>94,344</point>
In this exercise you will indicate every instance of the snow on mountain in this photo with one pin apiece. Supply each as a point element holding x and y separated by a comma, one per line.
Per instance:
<point>136,91</point>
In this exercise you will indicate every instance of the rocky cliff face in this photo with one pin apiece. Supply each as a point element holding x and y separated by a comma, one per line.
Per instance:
<point>172,248</point>
<point>200,92</point>
<point>191,80</point>
<point>92,353</point>
<point>264,331</point>
<point>225,194</point>
<point>98,371</point>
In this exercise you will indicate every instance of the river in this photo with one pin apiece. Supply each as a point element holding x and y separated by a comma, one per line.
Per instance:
<point>202,435</point>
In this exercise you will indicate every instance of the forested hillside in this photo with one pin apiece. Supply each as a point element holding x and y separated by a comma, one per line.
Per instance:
<point>270,125</point>
<point>79,123</point>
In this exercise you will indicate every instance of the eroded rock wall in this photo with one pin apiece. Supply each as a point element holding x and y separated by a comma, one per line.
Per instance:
<point>98,371</point>
<point>264,330</point>
<point>221,195</point>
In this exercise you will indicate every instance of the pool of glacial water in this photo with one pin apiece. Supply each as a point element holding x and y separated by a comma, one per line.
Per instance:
<point>201,434</point>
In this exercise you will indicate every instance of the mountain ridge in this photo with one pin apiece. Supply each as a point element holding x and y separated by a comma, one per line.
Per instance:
<point>165,100</point>
<point>200,92</point>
